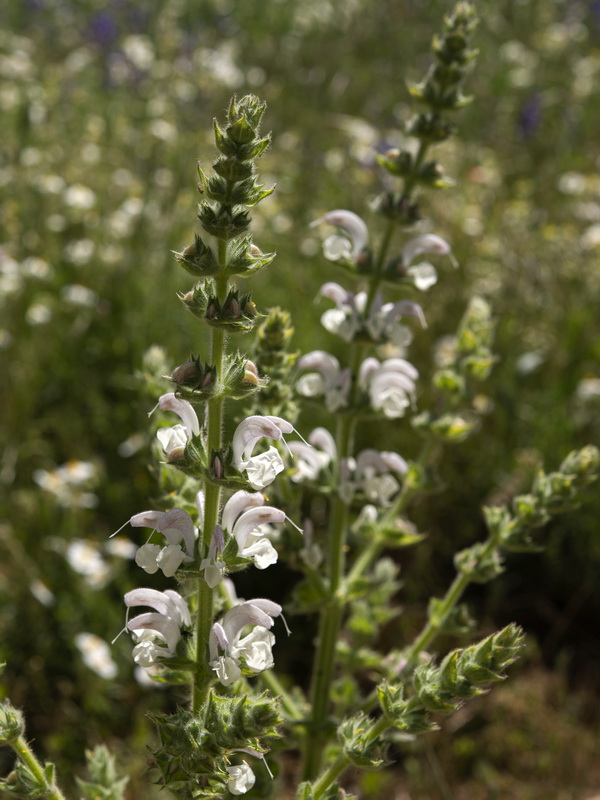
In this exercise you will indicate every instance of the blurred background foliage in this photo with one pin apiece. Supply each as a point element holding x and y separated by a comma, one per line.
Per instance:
<point>106,107</point>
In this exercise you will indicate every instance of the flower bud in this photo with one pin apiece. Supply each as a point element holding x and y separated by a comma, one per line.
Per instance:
<point>12,725</point>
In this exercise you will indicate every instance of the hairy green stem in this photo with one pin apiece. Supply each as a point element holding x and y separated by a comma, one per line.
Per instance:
<point>342,762</point>
<point>212,496</point>
<point>26,755</point>
<point>331,617</point>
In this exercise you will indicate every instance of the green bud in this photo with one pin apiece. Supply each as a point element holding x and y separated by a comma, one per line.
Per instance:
<point>353,734</point>
<point>12,724</point>
<point>479,564</point>
<point>432,174</point>
<point>198,259</point>
<point>233,170</point>
<point>449,382</point>
<point>397,162</point>
<point>245,259</point>
<point>429,692</point>
<point>584,464</point>
<point>457,622</point>
<point>223,222</point>
<point>430,127</point>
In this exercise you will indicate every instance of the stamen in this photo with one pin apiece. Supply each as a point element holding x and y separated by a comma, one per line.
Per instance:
<point>293,524</point>
<point>124,525</point>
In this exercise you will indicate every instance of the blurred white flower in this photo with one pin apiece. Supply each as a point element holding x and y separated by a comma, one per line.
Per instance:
<point>79,295</point>
<point>84,557</point>
<point>38,314</point>
<point>96,655</point>
<point>349,246</point>
<point>588,389</point>
<point>138,49</point>
<point>79,196</point>
<point>41,593</point>
<point>328,379</point>
<point>79,251</point>
<point>68,483</point>
<point>34,267</point>
<point>391,385</point>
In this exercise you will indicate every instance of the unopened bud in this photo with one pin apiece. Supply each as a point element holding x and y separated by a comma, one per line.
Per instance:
<point>207,380</point>
<point>185,372</point>
<point>12,726</point>
<point>234,307</point>
<point>250,373</point>
<point>217,468</point>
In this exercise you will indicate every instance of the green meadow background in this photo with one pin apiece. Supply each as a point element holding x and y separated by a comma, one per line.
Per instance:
<point>106,106</point>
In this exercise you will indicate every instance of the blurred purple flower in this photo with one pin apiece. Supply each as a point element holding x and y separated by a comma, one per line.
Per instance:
<point>103,29</point>
<point>530,115</point>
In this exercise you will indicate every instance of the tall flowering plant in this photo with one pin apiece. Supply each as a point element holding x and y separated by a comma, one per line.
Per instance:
<point>219,460</point>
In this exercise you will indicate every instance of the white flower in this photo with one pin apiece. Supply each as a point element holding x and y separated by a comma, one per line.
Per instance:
<point>157,633</point>
<point>241,779</point>
<point>349,247</point>
<point>213,566</point>
<point>176,526</point>
<point>174,440</point>
<point>254,649</point>
<point>372,474</point>
<point>424,275</point>
<point>428,243</point>
<point>261,470</point>
<point>243,516</point>
<point>328,380</point>
<point>96,655</point>
<point>381,323</point>
<point>311,458</point>
<point>391,385</point>
<point>84,558</point>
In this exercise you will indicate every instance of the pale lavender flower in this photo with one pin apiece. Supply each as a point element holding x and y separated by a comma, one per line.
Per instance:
<point>176,526</point>
<point>391,385</point>
<point>174,439</point>
<point>262,469</point>
<point>350,246</point>
<point>244,516</point>
<point>373,474</point>
<point>424,274</point>
<point>156,633</point>
<point>252,650</point>
<point>381,323</point>
<point>311,458</point>
<point>325,378</point>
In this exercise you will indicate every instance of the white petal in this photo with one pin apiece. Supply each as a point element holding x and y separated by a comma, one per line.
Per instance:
<point>147,556</point>
<point>261,470</point>
<point>183,409</point>
<point>261,552</point>
<point>351,224</point>
<point>429,243</point>
<point>170,559</point>
<point>237,504</point>
<point>424,276</point>
<point>241,779</point>
<point>228,671</point>
<point>252,518</point>
<point>248,432</point>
